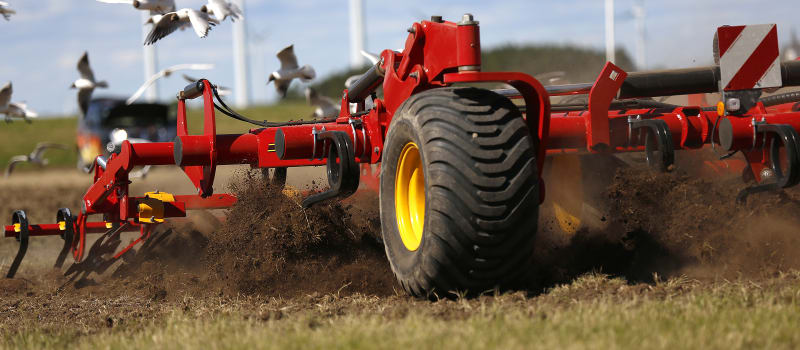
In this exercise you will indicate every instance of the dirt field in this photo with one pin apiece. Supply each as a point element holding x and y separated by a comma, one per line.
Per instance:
<point>679,264</point>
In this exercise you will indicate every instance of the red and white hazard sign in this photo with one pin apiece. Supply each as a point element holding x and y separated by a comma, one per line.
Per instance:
<point>748,57</point>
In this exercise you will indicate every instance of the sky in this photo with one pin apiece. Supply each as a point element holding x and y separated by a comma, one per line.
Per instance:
<point>43,42</point>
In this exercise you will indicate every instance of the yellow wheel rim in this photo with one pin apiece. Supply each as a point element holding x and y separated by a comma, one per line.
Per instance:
<point>409,196</point>
<point>565,189</point>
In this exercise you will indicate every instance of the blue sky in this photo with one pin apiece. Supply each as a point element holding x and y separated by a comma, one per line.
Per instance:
<point>42,43</point>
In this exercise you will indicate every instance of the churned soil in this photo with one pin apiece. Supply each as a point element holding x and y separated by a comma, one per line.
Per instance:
<point>267,247</point>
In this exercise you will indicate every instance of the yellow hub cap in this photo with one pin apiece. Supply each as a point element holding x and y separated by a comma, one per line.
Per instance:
<point>409,196</point>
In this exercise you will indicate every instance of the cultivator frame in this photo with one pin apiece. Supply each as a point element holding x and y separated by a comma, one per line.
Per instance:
<point>438,54</point>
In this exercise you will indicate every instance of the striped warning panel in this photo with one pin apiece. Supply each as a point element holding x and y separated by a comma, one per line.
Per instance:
<point>748,57</point>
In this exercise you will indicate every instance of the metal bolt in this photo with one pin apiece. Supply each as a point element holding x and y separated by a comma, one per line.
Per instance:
<point>377,150</point>
<point>733,104</point>
<point>411,30</point>
<point>468,20</point>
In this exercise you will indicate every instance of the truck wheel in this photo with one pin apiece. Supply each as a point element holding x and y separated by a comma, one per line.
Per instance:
<point>459,193</point>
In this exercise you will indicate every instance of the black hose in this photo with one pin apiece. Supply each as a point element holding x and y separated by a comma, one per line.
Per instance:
<point>267,124</point>
<point>779,99</point>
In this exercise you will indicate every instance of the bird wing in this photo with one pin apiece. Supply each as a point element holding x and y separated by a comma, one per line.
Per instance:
<point>144,87</point>
<point>371,57</point>
<point>236,12</point>
<point>165,26</point>
<point>287,58</point>
<point>218,8</point>
<point>21,109</point>
<point>192,66</point>
<point>5,94</point>
<point>13,162</point>
<point>84,69</point>
<point>84,96</point>
<point>3,3</point>
<point>130,2</point>
<point>43,146</point>
<point>200,23</point>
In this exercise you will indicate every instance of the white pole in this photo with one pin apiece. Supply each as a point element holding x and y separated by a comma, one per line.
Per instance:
<point>357,37</point>
<point>639,15</point>
<point>610,31</point>
<point>150,64</point>
<point>242,91</point>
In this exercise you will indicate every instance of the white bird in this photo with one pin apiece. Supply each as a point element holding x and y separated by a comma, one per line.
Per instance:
<point>289,70</point>
<point>166,73</point>
<point>326,107</point>
<point>13,109</point>
<point>154,6</point>
<point>200,21</point>
<point>6,11</point>
<point>86,83</point>
<point>221,9</point>
<point>35,157</point>
<point>221,90</point>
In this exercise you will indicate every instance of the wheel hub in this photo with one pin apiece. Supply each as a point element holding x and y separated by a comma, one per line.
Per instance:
<point>409,195</point>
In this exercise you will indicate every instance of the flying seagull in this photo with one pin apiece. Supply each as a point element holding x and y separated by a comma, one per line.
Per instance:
<point>154,6</point>
<point>326,107</point>
<point>221,90</point>
<point>13,109</point>
<point>289,70</point>
<point>221,9</point>
<point>35,157</point>
<point>200,21</point>
<point>166,73</point>
<point>6,11</point>
<point>86,83</point>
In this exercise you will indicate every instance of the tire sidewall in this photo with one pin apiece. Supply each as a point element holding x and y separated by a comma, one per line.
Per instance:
<point>403,262</point>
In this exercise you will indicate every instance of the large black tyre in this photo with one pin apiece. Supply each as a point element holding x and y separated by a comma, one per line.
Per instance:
<point>481,193</point>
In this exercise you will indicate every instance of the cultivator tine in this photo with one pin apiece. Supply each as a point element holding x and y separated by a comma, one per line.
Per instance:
<point>782,135</point>
<point>657,138</point>
<point>20,222</point>
<point>343,172</point>
<point>64,216</point>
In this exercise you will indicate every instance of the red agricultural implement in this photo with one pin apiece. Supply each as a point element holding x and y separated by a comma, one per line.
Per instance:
<point>460,166</point>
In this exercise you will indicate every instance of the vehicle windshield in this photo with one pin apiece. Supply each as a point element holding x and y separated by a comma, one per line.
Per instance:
<point>125,117</point>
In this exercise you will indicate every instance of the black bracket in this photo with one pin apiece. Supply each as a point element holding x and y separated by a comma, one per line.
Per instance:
<point>343,172</point>
<point>657,138</point>
<point>786,136</point>
<point>20,218</point>
<point>65,215</point>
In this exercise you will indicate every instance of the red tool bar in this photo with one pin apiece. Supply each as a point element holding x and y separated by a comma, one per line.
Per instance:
<point>690,128</point>
<point>152,153</point>
<point>231,149</point>
<point>736,133</point>
<point>298,141</point>
<point>216,201</point>
<point>53,229</point>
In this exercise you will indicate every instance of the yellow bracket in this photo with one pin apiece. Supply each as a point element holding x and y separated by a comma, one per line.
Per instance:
<point>17,228</point>
<point>151,207</point>
<point>62,225</point>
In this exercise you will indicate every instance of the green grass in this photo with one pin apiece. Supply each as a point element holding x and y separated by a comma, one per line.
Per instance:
<point>592,312</point>
<point>20,137</point>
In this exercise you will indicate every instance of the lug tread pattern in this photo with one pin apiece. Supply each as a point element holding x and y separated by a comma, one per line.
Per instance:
<point>483,200</point>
